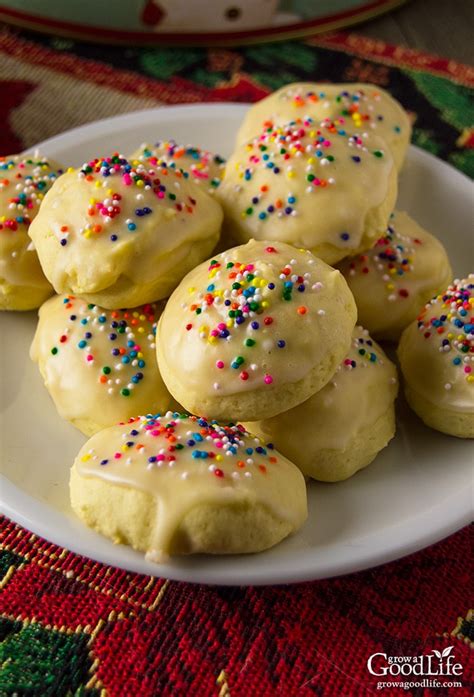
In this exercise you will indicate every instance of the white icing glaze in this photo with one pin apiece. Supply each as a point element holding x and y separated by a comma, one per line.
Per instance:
<point>184,462</point>
<point>310,184</point>
<point>363,107</point>
<point>361,391</point>
<point>392,281</point>
<point>259,315</point>
<point>99,366</point>
<point>19,266</point>
<point>437,351</point>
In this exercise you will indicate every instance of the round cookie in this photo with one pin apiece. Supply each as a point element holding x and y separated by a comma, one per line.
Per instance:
<point>436,354</point>
<point>99,366</point>
<point>24,181</point>
<point>310,184</point>
<point>203,167</point>
<point>360,106</point>
<point>254,331</point>
<point>121,235</point>
<point>179,484</point>
<point>392,281</point>
<point>341,428</point>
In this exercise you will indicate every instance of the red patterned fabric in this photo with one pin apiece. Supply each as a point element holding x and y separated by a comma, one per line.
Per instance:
<point>152,637</point>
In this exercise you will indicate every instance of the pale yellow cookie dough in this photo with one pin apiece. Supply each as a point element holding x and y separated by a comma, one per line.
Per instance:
<point>310,184</point>
<point>392,281</point>
<point>341,428</point>
<point>99,366</point>
<point>254,331</point>
<point>203,167</point>
<point>24,181</point>
<point>119,235</point>
<point>436,355</point>
<point>361,106</point>
<point>178,484</point>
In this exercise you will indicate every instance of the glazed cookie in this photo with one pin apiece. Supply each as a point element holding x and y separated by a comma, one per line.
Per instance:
<point>99,366</point>
<point>310,184</point>
<point>341,428</point>
<point>254,331</point>
<point>202,166</point>
<point>179,484</point>
<point>393,280</point>
<point>121,235</point>
<point>359,106</point>
<point>24,181</point>
<point>436,355</point>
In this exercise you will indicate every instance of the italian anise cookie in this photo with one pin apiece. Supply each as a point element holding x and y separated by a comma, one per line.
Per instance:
<point>120,235</point>
<point>254,331</point>
<point>436,355</point>
<point>343,427</point>
<point>391,282</point>
<point>24,181</point>
<point>99,366</point>
<point>180,484</point>
<point>312,184</point>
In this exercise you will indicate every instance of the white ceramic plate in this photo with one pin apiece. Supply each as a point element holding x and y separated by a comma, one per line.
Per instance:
<point>415,493</point>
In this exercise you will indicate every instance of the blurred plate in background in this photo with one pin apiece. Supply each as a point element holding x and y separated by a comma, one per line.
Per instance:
<point>207,22</point>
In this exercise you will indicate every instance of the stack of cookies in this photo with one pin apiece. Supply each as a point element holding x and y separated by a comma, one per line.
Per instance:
<point>215,385</point>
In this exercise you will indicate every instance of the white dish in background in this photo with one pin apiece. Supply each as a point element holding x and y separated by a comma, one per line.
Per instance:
<point>415,493</point>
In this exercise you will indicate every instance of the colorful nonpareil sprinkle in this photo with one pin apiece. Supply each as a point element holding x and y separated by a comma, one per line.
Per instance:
<point>363,352</point>
<point>362,108</point>
<point>245,296</point>
<point>275,152</point>
<point>111,179</point>
<point>110,341</point>
<point>200,165</point>
<point>392,258</point>
<point>157,442</point>
<point>25,181</point>
<point>448,320</point>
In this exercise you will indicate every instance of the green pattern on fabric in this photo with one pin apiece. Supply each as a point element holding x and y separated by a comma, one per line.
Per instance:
<point>8,627</point>
<point>287,55</point>
<point>463,161</point>
<point>35,661</point>
<point>207,78</point>
<point>467,629</point>
<point>8,559</point>
<point>163,63</point>
<point>425,139</point>
<point>453,101</point>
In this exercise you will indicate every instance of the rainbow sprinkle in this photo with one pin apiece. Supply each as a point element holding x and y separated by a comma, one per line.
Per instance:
<point>200,165</point>
<point>392,258</point>
<point>277,149</point>
<point>160,441</point>
<point>245,296</point>
<point>363,352</point>
<point>26,181</point>
<point>361,108</point>
<point>125,330</point>
<point>160,186</point>
<point>448,320</point>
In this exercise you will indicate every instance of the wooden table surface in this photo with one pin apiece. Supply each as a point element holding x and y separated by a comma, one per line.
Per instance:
<point>436,26</point>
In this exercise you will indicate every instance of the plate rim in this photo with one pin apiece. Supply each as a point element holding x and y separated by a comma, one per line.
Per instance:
<point>374,550</point>
<point>374,557</point>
